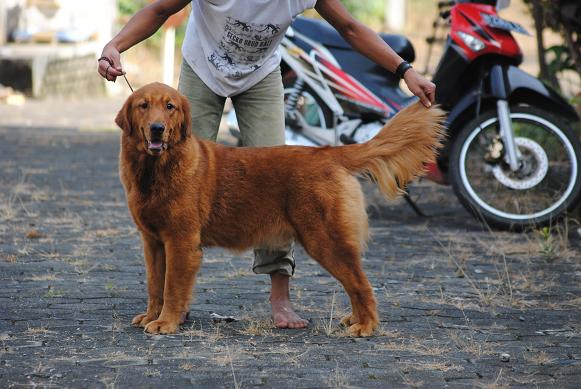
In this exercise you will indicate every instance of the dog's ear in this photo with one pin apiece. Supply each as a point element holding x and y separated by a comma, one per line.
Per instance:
<point>123,118</point>
<point>186,124</point>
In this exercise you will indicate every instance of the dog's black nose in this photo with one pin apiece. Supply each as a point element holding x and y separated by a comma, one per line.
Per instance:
<point>157,127</point>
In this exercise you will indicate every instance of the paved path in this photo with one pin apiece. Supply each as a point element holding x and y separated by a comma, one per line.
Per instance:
<point>453,297</point>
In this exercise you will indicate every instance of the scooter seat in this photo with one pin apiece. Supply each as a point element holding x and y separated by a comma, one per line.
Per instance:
<point>323,32</point>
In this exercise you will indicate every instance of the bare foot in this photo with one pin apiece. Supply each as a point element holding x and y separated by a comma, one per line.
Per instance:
<point>284,316</point>
<point>283,313</point>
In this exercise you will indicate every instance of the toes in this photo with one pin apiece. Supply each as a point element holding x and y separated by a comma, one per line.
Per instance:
<point>161,327</point>
<point>142,320</point>
<point>348,320</point>
<point>281,324</point>
<point>360,330</point>
<point>292,323</point>
<point>302,323</point>
<point>138,321</point>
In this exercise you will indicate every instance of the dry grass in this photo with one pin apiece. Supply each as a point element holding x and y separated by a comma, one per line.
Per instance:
<point>235,272</point>
<point>37,331</point>
<point>152,373</point>
<point>187,366</point>
<point>210,336</point>
<point>498,383</point>
<point>505,287</point>
<point>338,379</point>
<point>538,358</point>
<point>430,366</point>
<point>43,277</point>
<point>469,344</point>
<point>408,381</point>
<point>258,327</point>
<point>11,258</point>
<point>8,209</point>
<point>54,292</point>
<point>106,233</point>
<point>335,311</point>
<point>417,346</point>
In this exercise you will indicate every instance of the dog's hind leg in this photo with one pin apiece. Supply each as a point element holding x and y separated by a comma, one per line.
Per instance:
<point>344,263</point>
<point>155,269</point>
<point>183,260</point>
<point>333,238</point>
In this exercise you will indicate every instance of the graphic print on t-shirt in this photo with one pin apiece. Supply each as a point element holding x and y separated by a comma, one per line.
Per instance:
<point>243,46</point>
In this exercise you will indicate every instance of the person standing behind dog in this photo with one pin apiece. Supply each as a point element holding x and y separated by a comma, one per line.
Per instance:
<point>230,50</point>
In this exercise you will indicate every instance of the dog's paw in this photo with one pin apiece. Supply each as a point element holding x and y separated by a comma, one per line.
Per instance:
<point>361,330</point>
<point>348,320</point>
<point>162,327</point>
<point>143,319</point>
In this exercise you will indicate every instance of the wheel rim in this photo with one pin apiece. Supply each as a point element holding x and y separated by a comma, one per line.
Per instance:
<point>529,203</point>
<point>309,109</point>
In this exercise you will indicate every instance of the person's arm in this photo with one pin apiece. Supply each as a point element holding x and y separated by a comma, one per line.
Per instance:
<point>140,27</point>
<point>367,42</point>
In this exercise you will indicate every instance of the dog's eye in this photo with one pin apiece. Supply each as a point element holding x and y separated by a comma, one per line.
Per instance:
<point>170,106</point>
<point>144,105</point>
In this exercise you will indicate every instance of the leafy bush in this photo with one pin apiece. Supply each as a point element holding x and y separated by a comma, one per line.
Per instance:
<point>369,11</point>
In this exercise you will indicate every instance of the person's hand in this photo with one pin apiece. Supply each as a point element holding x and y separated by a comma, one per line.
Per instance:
<point>421,87</point>
<point>110,70</point>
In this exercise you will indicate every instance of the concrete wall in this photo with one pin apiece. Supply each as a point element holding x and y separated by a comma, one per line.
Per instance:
<point>45,69</point>
<point>94,17</point>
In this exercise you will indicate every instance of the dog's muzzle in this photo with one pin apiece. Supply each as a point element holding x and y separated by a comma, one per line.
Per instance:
<point>156,145</point>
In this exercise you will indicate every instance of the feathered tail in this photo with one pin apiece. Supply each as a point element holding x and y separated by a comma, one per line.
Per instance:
<point>399,152</point>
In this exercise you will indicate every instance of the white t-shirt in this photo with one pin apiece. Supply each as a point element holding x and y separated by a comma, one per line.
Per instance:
<point>232,44</point>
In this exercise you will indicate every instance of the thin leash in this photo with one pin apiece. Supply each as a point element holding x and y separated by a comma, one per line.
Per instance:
<point>110,62</point>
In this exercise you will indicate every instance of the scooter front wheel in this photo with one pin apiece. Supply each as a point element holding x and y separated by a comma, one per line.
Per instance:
<point>543,188</point>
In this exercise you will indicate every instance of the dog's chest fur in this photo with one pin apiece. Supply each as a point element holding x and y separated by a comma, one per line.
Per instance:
<point>153,187</point>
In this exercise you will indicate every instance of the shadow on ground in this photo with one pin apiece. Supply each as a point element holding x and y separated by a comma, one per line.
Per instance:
<point>460,305</point>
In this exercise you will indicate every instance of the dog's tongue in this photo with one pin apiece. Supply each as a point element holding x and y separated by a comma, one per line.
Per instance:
<point>155,145</point>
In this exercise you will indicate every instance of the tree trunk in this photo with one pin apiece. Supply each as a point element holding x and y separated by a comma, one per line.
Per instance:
<point>545,74</point>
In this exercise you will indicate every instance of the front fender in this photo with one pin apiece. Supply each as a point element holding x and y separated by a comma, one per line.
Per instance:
<point>522,88</point>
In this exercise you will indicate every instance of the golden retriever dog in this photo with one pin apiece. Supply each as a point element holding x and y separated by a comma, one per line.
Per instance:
<point>185,193</point>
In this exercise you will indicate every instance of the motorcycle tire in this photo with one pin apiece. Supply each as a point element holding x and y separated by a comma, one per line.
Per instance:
<point>530,197</point>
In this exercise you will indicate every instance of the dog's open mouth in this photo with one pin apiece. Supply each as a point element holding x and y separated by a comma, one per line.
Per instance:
<point>156,146</point>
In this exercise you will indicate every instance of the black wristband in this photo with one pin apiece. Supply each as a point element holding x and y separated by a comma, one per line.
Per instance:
<point>402,68</point>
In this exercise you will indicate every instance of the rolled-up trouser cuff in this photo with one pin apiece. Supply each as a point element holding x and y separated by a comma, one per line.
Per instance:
<point>274,261</point>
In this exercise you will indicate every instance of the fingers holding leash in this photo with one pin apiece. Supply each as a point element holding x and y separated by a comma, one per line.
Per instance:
<point>110,64</point>
<point>108,70</point>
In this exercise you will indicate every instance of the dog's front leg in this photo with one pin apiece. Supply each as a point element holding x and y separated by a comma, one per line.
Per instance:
<point>154,254</point>
<point>183,258</point>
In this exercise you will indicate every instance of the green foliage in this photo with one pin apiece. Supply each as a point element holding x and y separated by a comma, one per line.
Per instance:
<point>559,59</point>
<point>548,248</point>
<point>368,11</point>
<point>129,7</point>
<point>552,18</point>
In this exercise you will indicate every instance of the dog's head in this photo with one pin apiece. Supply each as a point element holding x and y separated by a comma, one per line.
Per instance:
<point>155,118</point>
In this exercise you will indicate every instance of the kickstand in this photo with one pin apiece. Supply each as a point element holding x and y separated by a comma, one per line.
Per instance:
<point>413,205</point>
